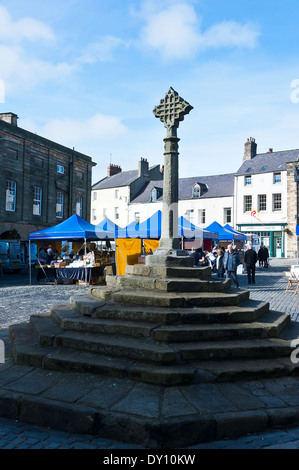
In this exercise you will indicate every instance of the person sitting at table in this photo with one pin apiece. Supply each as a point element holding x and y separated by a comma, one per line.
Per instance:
<point>42,255</point>
<point>49,256</point>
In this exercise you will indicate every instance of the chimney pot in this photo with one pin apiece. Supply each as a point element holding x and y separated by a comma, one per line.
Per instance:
<point>250,149</point>
<point>113,170</point>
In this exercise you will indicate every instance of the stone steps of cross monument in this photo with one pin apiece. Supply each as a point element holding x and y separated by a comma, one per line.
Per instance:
<point>246,311</point>
<point>270,325</point>
<point>271,360</point>
<point>171,299</point>
<point>177,284</point>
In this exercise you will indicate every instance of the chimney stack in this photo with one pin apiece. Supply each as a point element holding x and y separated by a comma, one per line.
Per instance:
<point>10,118</point>
<point>113,170</point>
<point>143,167</point>
<point>250,149</point>
<point>270,150</point>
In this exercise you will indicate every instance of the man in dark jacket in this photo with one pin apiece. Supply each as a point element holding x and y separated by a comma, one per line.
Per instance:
<point>250,260</point>
<point>231,261</point>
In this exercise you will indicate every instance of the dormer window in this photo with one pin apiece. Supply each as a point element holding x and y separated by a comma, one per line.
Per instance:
<point>196,191</point>
<point>156,193</point>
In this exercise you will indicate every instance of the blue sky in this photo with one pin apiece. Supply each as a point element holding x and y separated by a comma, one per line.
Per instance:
<point>88,73</point>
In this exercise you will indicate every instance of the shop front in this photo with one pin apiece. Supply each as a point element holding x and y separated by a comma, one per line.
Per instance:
<point>272,236</point>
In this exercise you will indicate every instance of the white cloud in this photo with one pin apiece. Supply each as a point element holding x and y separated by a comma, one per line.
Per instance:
<point>18,71</point>
<point>71,132</point>
<point>175,32</point>
<point>102,50</point>
<point>25,28</point>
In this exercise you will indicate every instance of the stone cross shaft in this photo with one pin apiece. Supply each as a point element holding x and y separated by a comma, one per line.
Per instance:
<point>171,111</point>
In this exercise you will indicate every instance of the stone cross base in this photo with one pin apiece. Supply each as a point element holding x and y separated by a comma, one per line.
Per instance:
<point>167,257</point>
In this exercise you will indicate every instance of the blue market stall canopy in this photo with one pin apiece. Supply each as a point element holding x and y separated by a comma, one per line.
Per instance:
<point>71,229</point>
<point>297,230</point>
<point>107,229</point>
<point>151,228</point>
<point>189,231</point>
<point>228,227</point>
<point>223,233</point>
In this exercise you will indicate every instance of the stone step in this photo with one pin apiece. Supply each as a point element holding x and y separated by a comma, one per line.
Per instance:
<point>28,353</point>
<point>121,347</point>
<point>235,349</point>
<point>169,284</point>
<point>72,320</point>
<point>270,325</point>
<point>247,311</point>
<point>169,271</point>
<point>182,299</point>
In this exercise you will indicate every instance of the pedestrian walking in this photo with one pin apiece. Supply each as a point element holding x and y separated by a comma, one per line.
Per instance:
<point>231,261</point>
<point>263,255</point>
<point>250,259</point>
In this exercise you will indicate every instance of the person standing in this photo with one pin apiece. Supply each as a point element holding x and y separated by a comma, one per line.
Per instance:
<point>250,260</point>
<point>231,261</point>
<point>195,255</point>
<point>219,263</point>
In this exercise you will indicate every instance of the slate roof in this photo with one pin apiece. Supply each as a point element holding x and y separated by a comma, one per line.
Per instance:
<point>268,162</point>
<point>120,179</point>
<point>217,186</point>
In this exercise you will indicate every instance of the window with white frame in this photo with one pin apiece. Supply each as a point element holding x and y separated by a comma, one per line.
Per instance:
<point>116,195</point>
<point>137,217</point>
<point>79,206</point>
<point>95,195</point>
<point>37,200</point>
<point>60,169</point>
<point>277,178</point>
<point>116,212</point>
<point>104,213</point>
<point>11,194</point>
<point>59,205</point>
<point>247,203</point>
<point>201,216</point>
<point>227,215</point>
<point>262,202</point>
<point>190,215</point>
<point>94,214</point>
<point>247,180</point>
<point>277,206</point>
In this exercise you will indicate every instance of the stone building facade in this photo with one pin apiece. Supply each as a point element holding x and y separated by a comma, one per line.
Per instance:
<point>293,206</point>
<point>42,182</point>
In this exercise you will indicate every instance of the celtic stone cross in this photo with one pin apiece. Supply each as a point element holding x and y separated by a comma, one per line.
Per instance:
<point>171,111</point>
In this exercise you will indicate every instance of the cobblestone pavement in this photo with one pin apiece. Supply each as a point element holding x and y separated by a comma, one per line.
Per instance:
<point>18,301</point>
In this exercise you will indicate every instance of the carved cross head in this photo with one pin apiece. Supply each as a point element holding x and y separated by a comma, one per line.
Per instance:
<point>172,109</point>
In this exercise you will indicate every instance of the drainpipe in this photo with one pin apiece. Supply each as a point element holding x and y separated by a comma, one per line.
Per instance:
<point>71,178</point>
